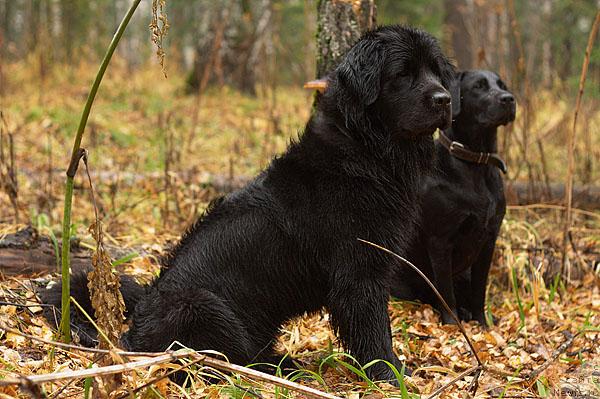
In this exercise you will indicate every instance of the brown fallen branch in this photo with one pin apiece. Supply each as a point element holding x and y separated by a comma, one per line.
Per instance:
<point>319,84</point>
<point>454,380</point>
<point>557,352</point>
<point>166,358</point>
<point>94,372</point>
<point>28,382</point>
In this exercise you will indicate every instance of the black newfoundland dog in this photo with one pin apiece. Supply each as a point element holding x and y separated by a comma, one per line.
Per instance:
<point>463,201</point>
<point>287,243</point>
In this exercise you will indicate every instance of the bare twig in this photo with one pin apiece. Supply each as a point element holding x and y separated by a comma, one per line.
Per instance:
<point>449,383</point>
<point>480,367</point>
<point>571,145</point>
<point>75,347</point>
<point>213,62</point>
<point>557,352</point>
<point>160,377</point>
<point>95,372</point>
<point>437,293</point>
<point>157,358</point>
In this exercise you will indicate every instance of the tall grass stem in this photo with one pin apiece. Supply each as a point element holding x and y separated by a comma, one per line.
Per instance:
<point>571,147</point>
<point>72,170</point>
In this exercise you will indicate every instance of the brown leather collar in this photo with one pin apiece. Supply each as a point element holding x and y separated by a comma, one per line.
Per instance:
<point>459,151</point>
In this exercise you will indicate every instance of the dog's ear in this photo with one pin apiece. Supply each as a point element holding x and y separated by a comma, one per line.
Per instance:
<point>359,74</point>
<point>455,94</point>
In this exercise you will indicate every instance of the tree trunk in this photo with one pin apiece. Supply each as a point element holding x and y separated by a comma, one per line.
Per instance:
<point>35,10</point>
<point>232,45</point>
<point>459,44</point>
<point>66,24</point>
<point>340,23</point>
<point>8,36</point>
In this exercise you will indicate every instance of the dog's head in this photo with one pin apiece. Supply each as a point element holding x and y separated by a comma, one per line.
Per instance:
<point>396,78</point>
<point>482,97</point>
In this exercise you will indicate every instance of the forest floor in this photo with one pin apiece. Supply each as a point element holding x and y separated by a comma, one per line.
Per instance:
<point>154,174</point>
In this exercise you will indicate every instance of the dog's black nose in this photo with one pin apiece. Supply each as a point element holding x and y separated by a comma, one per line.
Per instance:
<point>441,99</point>
<point>507,98</point>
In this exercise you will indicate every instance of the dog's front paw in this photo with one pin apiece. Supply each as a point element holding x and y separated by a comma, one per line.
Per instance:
<point>480,318</point>
<point>447,317</point>
<point>464,314</point>
<point>382,372</point>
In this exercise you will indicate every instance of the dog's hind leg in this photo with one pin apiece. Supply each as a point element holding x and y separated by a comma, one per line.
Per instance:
<point>198,319</point>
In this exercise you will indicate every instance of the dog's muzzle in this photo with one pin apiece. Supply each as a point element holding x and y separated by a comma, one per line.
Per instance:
<point>441,104</point>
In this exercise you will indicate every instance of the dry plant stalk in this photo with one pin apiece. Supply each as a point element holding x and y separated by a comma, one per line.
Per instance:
<point>104,284</point>
<point>104,289</point>
<point>106,297</point>
<point>159,26</point>
<point>571,147</point>
<point>8,169</point>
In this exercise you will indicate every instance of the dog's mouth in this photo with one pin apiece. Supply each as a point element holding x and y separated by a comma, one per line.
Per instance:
<point>426,123</point>
<point>499,116</point>
<point>442,122</point>
<point>503,119</point>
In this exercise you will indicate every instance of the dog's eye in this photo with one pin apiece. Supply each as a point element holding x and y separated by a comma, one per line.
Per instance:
<point>402,73</point>
<point>480,84</point>
<point>501,85</point>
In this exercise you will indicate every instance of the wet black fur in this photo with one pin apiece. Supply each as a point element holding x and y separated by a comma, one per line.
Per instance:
<point>287,243</point>
<point>463,204</point>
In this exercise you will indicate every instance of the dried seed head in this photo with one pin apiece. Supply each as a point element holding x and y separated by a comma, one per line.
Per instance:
<point>159,25</point>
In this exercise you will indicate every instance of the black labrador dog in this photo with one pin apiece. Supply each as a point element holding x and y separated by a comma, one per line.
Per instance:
<point>287,243</point>
<point>462,201</point>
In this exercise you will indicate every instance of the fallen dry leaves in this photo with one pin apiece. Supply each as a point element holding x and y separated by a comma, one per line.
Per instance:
<point>524,338</point>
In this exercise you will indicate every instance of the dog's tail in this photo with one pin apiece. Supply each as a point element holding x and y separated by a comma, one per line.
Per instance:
<point>80,324</point>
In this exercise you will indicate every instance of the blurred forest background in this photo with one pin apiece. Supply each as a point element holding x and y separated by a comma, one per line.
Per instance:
<point>234,96</point>
<point>540,39</point>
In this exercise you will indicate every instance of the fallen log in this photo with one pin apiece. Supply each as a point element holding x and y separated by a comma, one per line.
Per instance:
<point>27,252</point>
<point>517,193</point>
<point>523,193</point>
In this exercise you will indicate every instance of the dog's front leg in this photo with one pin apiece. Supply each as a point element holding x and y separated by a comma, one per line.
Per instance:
<point>440,256</point>
<point>358,307</point>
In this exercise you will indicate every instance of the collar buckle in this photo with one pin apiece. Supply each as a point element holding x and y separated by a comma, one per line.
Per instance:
<point>456,144</point>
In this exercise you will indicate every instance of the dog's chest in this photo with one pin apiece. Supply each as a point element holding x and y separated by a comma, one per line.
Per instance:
<point>482,210</point>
